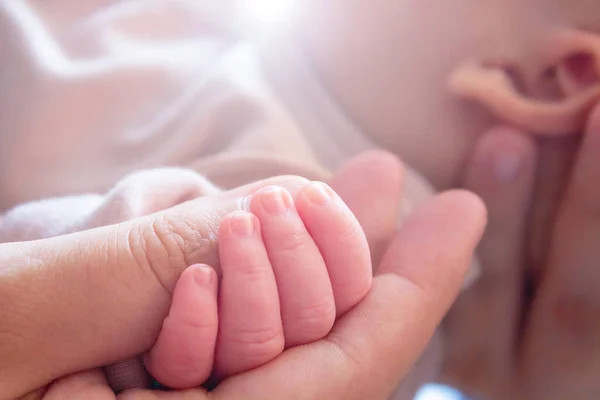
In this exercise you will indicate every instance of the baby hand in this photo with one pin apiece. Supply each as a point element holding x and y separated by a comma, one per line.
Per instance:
<point>289,269</point>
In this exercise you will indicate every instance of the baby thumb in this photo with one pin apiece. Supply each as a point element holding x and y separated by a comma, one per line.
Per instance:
<point>88,299</point>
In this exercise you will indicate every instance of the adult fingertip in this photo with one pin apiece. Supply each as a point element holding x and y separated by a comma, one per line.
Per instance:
<point>379,160</point>
<point>376,169</point>
<point>469,207</point>
<point>503,155</point>
<point>371,185</point>
<point>477,219</point>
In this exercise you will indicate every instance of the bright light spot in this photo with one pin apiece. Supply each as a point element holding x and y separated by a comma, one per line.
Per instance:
<point>265,15</point>
<point>438,392</point>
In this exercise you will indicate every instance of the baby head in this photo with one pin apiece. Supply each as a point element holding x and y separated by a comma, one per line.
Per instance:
<point>425,78</point>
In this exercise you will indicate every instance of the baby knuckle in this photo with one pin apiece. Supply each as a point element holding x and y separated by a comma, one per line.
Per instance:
<point>259,342</point>
<point>353,290</point>
<point>350,234</point>
<point>166,246</point>
<point>316,320</point>
<point>192,323</point>
<point>253,271</point>
<point>294,242</point>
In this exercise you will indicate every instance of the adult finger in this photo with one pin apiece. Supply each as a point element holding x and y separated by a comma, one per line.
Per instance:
<point>482,326</point>
<point>75,302</point>
<point>371,185</point>
<point>378,341</point>
<point>555,162</point>
<point>562,348</point>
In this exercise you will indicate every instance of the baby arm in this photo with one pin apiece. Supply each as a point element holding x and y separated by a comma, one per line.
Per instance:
<point>290,266</point>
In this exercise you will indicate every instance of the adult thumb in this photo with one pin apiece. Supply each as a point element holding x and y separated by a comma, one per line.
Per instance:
<point>88,299</point>
<point>371,184</point>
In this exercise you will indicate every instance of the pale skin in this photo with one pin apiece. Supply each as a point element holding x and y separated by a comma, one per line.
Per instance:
<point>289,269</point>
<point>483,362</point>
<point>500,285</point>
<point>419,276</point>
<point>554,355</point>
<point>514,34</point>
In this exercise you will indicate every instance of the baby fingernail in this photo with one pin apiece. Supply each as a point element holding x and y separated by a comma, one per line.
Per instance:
<point>242,224</point>
<point>203,275</point>
<point>319,193</point>
<point>275,200</point>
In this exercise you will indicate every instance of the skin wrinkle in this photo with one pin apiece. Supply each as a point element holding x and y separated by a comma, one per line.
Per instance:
<point>416,118</point>
<point>119,257</point>
<point>161,245</point>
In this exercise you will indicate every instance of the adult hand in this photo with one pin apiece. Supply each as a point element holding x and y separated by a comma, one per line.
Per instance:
<point>530,328</point>
<point>61,295</point>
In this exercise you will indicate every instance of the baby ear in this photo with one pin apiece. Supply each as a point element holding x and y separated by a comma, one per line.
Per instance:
<point>569,70</point>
